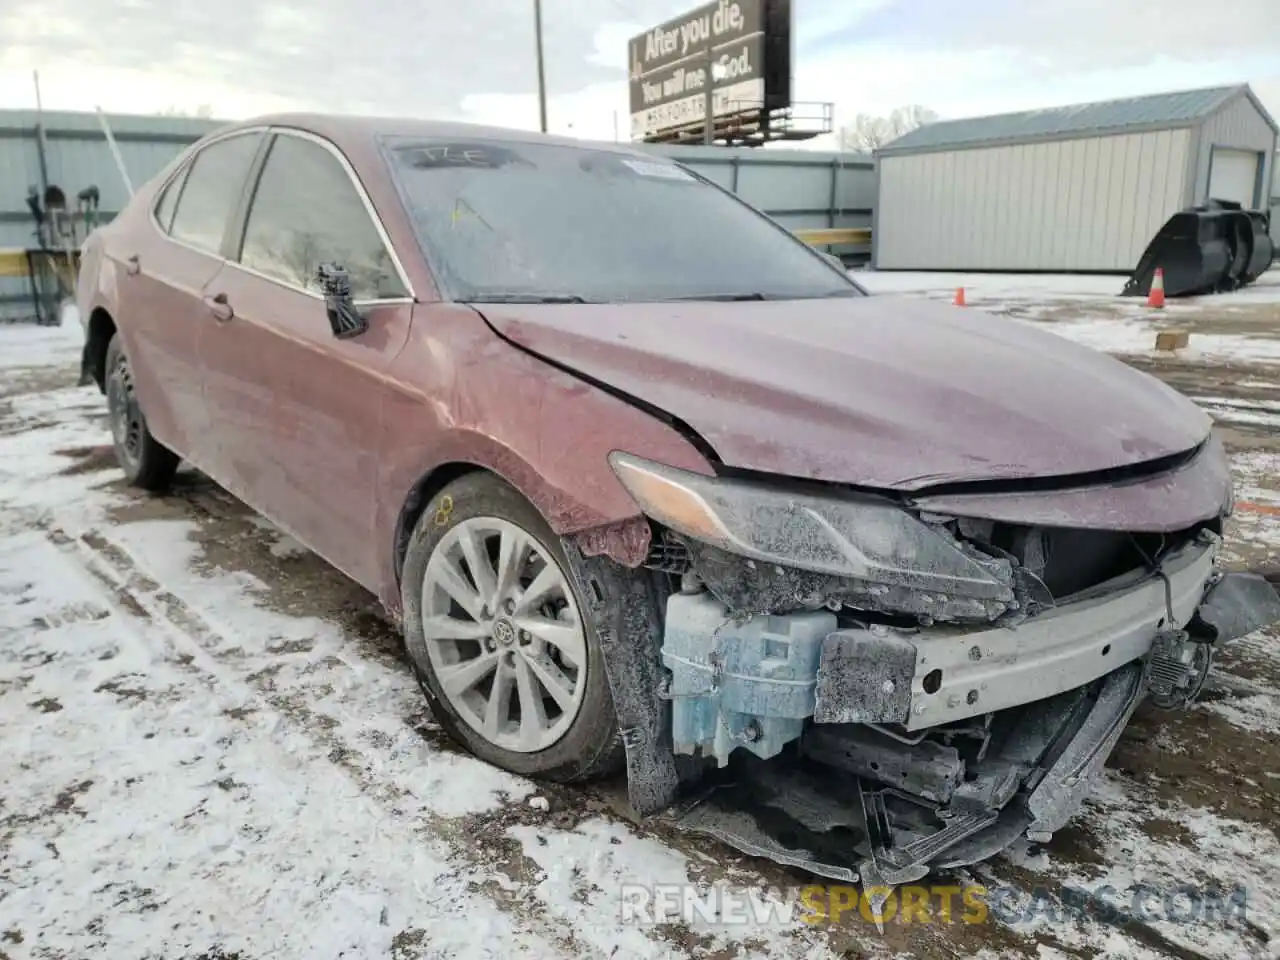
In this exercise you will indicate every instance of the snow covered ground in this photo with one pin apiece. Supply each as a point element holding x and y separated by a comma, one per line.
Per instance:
<point>982,285</point>
<point>1067,286</point>
<point>211,750</point>
<point>1241,326</point>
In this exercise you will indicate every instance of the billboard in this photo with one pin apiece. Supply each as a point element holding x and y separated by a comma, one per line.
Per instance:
<point>741,48</point>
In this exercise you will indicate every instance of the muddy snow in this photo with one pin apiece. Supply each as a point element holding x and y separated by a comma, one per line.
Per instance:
<point>1231,327</point>
<point>212,749</point>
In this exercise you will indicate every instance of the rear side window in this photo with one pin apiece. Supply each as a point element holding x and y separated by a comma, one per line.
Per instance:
<point>169,199</point>
<point>306,212</point>
<point>214,182</point>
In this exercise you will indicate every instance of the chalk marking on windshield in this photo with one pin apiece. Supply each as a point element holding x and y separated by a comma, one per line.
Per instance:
<point>462,210</point>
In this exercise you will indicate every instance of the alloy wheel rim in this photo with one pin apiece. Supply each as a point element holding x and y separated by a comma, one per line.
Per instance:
<point>125,417</point>
<point>504,635</point>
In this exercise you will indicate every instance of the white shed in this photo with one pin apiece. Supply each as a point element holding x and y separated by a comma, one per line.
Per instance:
<point>1080,188</point>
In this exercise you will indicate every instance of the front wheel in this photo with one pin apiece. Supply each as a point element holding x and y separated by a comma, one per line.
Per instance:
<point>495,628</point>
<point>146,462</point>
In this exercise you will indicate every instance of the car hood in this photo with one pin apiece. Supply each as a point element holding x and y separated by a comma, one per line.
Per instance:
<point>889,392</point>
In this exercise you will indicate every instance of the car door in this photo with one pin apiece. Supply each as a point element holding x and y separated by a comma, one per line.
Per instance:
<point>162,268</point>
<point>295,411</point>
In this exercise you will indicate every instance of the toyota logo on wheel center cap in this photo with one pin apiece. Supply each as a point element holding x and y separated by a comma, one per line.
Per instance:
<point>504,632</point>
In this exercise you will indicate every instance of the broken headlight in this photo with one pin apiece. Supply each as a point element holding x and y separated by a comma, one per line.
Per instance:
<point>862,537</point>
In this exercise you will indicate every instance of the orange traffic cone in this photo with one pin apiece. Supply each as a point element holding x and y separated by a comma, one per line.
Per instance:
<point>959,301</point>
<point>1156,297</point>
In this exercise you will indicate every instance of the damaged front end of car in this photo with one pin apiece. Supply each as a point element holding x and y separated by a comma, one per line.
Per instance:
<point>899,691</point>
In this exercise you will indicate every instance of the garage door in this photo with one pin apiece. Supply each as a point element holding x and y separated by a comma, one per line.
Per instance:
<point>1233,175</point>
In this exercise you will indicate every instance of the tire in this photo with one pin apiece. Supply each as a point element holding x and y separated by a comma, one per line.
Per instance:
<point>583,743</point>
<point>146,462</point>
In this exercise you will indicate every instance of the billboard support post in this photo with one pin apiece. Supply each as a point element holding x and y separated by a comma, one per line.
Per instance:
<point>708,104</point>
<point>542,74</point>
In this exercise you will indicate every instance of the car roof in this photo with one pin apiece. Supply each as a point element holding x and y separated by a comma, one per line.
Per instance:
<point>348,130</point>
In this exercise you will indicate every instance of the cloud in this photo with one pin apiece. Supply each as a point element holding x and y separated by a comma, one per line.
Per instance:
<point>474,59</point>
<point>1095,34</point>
<point>394,56</point>
<point>995,55</point>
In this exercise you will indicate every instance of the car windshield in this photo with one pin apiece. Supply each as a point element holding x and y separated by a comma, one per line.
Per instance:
<point>534,222</point>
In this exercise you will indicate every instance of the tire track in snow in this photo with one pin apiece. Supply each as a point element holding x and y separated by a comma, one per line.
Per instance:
<point>186,639</point>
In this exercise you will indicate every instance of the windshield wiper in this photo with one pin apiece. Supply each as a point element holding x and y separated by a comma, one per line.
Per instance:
<point>740,297</point>
<point>723,297</point>
<point>525,298</point>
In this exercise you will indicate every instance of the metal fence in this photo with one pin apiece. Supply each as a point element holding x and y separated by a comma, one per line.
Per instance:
<point>69,150</point>
<point>803,190</point>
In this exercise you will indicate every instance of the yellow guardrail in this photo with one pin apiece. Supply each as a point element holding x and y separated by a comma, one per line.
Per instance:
<point>13,261</point>
<point>834,236</point>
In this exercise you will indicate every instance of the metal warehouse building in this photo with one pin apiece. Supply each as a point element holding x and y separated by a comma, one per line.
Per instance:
<point>1070,188</point>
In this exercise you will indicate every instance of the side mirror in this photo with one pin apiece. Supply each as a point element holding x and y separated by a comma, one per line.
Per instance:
<point>834,260</point>
<point>344,318</point>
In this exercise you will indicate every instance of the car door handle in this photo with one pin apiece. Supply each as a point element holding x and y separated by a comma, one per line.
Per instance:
<point>220,307</point>
<point>132,265</point>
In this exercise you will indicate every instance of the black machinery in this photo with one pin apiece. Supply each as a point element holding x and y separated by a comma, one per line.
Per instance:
<point>52,263</point>
<point>1212,248</point>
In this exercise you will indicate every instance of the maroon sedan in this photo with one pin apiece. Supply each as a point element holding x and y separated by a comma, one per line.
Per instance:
<point>646,479</point>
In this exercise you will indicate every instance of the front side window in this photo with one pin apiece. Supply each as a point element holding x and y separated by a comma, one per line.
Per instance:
<point>212,190</point>
<point>306,212</point>
<point>506,220</point>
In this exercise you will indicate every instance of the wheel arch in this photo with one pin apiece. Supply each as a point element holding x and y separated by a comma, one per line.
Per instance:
<point>567,515</point>
<point>98,333</point>
<point>420,494</point>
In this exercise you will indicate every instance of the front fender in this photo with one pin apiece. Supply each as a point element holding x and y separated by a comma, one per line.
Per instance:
<point>461,395</point>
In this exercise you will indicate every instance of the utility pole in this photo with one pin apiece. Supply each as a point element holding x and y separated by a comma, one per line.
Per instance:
<point>708,103</point>
<point>542,76</point>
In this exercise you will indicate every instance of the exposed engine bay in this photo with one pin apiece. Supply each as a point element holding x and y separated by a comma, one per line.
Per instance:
<point>871,693</point>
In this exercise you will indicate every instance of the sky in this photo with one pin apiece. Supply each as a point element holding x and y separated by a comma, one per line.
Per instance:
<point>474,59</point>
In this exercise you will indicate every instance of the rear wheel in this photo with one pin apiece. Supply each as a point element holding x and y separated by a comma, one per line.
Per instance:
<point>496,631</point>
<point>145,461</point>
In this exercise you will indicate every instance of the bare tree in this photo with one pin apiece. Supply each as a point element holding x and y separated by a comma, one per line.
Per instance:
<point>202,112</point>
<point>868,132</point>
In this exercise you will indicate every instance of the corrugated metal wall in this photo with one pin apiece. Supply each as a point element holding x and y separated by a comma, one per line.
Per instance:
<point>76,156</point>
<point>801,189</point>
<point>1090,204</point>
<point>1239,125</point>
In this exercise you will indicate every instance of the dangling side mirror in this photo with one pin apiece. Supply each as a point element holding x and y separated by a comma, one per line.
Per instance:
<point>335,285</point>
